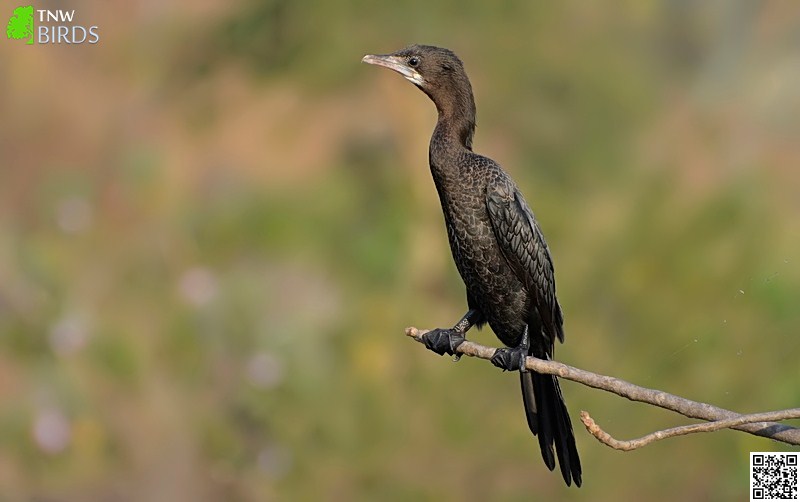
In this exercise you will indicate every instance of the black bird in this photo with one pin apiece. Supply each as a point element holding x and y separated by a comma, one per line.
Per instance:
<point>497,246</point>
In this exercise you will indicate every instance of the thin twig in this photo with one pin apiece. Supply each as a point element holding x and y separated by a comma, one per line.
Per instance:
<point>632,444</point>
<point>692,409</point>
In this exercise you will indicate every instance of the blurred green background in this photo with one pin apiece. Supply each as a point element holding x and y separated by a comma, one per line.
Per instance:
<point>215,224</point>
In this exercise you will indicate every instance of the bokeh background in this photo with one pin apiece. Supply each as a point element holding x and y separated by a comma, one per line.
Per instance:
<point>215,224</point>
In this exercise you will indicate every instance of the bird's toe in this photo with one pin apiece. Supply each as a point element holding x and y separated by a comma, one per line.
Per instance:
<point>443,341</point>
<point>510,359</point>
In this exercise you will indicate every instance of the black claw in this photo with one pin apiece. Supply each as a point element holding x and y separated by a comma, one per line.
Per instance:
<point>443,341</point>
<point>510,359</point>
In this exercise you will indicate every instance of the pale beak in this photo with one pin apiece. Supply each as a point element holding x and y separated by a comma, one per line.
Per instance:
<point>397,64</point>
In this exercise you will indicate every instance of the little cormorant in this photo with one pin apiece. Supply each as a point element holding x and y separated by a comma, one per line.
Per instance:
<point>498,248</point>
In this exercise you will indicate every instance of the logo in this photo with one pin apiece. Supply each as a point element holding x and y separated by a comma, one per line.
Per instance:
<point>20,25</point>
<point>44,26</point>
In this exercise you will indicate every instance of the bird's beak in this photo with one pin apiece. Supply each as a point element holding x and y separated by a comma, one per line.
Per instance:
<point>395,63</point>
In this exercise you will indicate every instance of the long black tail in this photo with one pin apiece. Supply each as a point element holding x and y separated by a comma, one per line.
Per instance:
<point>549,420</point>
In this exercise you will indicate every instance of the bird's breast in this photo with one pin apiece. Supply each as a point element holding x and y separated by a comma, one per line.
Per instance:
<point>489,279</point>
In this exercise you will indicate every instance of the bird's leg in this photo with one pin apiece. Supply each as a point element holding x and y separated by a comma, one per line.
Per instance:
<point>446,341</point>
<point>513,359</point>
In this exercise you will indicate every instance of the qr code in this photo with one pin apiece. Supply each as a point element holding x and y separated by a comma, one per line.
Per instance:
<point>773,476</point>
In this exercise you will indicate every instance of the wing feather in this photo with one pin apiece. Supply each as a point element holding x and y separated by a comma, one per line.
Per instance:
<point>524,248</point>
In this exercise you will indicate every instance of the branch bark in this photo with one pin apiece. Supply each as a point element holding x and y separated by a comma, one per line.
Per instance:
<point>762,424</point>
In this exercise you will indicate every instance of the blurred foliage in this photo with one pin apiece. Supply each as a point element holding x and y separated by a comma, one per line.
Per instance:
<point>215,224</point>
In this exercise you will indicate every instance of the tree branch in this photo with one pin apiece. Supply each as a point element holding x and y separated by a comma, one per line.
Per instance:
<point>633,444</point>
<point>762,424</point>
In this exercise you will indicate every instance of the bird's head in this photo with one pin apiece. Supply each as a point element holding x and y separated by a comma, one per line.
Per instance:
<point>436,71</point>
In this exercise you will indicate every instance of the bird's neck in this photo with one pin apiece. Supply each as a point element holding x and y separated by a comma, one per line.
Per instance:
<point>451,140</point>
<point>452,137</point>
<point>456,124</point>
<point>454,133</point>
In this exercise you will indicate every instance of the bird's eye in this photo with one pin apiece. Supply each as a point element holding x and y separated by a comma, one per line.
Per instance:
<point>413,61</point>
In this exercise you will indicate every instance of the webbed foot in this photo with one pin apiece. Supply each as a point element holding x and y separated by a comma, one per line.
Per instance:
<point>513,359</point>
<point>510,359</point>
<point>443,341</point>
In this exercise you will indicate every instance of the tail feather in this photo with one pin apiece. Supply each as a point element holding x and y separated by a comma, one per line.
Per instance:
<point>548,419</point>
